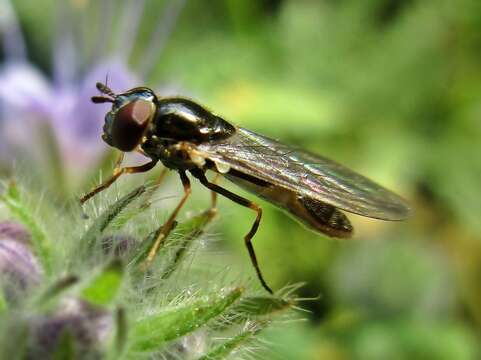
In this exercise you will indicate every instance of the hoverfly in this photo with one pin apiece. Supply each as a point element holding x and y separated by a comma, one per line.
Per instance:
<point>186,137</point>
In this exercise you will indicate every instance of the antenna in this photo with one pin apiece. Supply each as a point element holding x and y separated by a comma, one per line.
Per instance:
<point>101,99</point>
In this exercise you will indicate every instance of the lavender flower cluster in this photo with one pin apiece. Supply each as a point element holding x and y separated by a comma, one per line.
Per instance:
<point>30,100</point>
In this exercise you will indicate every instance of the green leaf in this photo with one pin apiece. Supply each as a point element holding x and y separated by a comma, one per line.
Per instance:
<point>100,224</point>
<point>261,306</point>
<point>65,349</point>
<point>105,286</point>
<point>14,337</point>
<point>121,331</point>
<point>185,235</point>
<point>143,251</point>
<point>119,342</point>
<point>52,293</point>
<point>187,232</point>
<point>256,307</point>
<point>144,203</point>
<point>43,248</point>
<point>225,349</point>
<point>152,332</point>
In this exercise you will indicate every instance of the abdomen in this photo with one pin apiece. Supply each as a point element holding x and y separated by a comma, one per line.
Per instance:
<point>314,214</point>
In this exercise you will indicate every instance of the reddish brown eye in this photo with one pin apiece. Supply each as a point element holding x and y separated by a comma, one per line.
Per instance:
<point>130,123</point>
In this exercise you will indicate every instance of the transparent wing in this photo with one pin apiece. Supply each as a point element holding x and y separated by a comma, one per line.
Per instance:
<point>308,174</point>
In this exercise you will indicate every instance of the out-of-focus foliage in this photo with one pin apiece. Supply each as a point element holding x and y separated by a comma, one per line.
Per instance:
<point>391,88</point>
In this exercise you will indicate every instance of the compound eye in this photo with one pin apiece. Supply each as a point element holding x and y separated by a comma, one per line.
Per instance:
<point>130,123</point>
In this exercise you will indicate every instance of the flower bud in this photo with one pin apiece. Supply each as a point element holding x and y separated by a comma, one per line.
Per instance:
<point>19,268</point>
<point>88,327</point>
<point>117,244</point>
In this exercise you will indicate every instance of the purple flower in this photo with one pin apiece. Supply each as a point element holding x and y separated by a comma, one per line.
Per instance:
<point>19,268</point>
<point>87,326</point>
<point>118,244</point>
<point>29,99</point>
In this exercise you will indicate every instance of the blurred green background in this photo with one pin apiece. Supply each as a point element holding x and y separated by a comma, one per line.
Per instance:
<point>390,88</point>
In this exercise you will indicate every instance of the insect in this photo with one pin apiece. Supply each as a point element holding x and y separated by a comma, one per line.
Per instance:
<point>188,138</point>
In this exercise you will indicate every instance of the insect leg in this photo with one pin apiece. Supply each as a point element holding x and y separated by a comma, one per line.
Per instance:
<point>119,160</point>
<point>213,196</point>
<point>244,202</point>
<point>169,224</point>
<point>117,172</point>
<point>151,190</point>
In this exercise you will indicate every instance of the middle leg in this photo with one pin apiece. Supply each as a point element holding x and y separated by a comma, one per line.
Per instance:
<point>169,224</point>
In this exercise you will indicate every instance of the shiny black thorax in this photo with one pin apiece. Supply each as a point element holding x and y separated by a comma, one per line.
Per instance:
<point>178,122</point>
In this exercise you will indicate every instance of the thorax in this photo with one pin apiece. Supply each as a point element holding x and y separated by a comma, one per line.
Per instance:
<point>178,127</point>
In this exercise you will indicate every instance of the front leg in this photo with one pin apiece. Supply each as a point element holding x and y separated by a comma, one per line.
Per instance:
<point>118,171</point>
